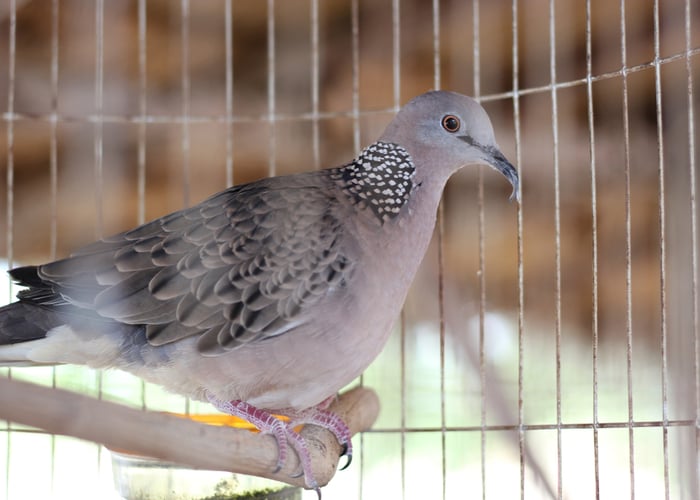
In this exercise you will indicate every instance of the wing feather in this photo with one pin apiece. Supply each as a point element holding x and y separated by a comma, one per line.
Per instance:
<point>246,264</point>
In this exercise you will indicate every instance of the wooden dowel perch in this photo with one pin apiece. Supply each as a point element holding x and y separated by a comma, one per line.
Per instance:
<point>179,440</point>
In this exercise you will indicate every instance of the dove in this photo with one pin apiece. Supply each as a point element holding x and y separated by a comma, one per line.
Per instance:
<point>268,297</point>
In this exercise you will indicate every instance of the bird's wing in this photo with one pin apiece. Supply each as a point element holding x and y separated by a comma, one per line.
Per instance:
<point>246,264</point>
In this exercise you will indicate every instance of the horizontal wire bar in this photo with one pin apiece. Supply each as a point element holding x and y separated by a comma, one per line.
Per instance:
<point>310,116</point>
<point>545,427</point>
<point>640,424</point>
<point>191,119</point>
<point>594,78</point>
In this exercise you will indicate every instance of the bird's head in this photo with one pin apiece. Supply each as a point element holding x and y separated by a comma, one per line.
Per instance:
<point>447,131</point>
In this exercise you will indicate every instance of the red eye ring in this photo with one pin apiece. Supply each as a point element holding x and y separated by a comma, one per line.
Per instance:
<point>451,123</point>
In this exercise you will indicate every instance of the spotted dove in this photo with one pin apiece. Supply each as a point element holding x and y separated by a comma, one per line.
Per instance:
<point>268,297</point>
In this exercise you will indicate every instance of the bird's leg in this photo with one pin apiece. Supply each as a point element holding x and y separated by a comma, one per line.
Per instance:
<point>285,434</point>
<point>302,450</point>
<point>321,416</point>
<point>281,431</point>
<point>264,421</point>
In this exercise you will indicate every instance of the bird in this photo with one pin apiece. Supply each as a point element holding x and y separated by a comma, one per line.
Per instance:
<point>268,297</point>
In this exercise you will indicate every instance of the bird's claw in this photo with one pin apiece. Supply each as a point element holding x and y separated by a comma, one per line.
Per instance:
<point>322,417</point>
<point>299,473</point>
<point>346,452</point>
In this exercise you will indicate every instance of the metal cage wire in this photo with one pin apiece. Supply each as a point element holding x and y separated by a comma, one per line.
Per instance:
<point>680,467</point>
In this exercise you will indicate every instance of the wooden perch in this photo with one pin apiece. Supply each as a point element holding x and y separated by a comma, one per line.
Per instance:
<point>179,440</point>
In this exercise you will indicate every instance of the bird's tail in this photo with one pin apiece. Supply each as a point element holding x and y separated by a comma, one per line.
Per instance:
<point>20,324</point>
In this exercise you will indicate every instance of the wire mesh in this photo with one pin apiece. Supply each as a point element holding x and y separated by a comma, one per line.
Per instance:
<point>563,330</point>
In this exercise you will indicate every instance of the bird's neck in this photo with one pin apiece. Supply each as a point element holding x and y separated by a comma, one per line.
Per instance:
<point>384,184</point>
<point>380,180</point>
<point>406,232</point>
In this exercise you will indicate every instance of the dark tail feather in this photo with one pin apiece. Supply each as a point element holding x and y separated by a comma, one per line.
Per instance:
<point>24,321</point>
<point>27,276</point>
<point>21,322</point>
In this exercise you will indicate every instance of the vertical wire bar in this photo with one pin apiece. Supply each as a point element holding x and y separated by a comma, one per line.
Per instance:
<point>441,313</point>
<point>521,279</point>
<point>404,389</point>
<point>396,78</point>
<point>53,151</point>
<point>404,393</point>
<point>10,178</point>
<point>557,232</point>
<point>693,239</point>
<point>141,159</point>
<point>228,35</point>
<point>355,35</point>
<point>482,326</point>
<point>315,146</point>
<point>396,67</point>
<point>272,166</point>
<point>441,266</point>
<point>53,184</point>
<point>482,255</point>
<point>436,45</point>
<point>594,235</point>
<point>355,28</point>
<point>10,174</point>
<point>396,52</point>
<point>98,153</point>
<point>185,84</point>
<point>98,148</point>
<point>662,245</point>
<point>476,65</point>
<point>141,172</point>
<point>628,242</point>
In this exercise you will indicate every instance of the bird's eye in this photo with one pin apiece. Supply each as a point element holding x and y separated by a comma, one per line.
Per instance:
<point>450,123</point>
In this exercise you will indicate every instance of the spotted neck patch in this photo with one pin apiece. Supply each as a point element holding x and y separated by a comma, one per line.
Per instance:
<point>380,179</point>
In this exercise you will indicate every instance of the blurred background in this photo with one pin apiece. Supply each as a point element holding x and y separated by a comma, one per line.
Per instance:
<point>547,350</point>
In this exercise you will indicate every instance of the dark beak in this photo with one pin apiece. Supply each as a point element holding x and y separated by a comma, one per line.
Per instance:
<point>500,163</point>
<point>496,159</point>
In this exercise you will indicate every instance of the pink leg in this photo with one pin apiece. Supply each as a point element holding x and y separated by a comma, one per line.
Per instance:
<point>264,421</point>
<point>302,450</point>
<point>319,415</point>
<point>281,431</point>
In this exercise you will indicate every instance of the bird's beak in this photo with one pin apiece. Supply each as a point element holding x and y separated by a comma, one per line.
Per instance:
<point>497,160</point>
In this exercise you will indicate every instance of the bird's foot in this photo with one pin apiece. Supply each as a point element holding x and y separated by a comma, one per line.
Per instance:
<point>264,421</point>
<point>319,415</point>
<point>302,450</point>
<point>283,433</point>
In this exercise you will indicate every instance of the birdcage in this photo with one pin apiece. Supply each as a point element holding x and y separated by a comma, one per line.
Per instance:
<point>548,348</point>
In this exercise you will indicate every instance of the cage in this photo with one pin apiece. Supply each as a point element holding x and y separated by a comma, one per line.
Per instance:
<point>548,349</point>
